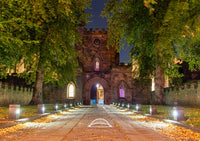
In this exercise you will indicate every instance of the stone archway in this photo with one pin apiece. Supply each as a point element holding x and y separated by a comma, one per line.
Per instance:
<point>87,88</point>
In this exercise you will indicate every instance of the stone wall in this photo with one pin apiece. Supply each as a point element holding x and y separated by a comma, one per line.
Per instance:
<point>121,75</point>
<point>13,94</point>
<point>56,94</point>
<point>142,92</point>
<point>135,91</point>
<point>186,95</point>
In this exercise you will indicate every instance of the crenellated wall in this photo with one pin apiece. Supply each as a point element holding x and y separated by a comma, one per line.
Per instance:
<point>13,94</point>
<point>186,95</point>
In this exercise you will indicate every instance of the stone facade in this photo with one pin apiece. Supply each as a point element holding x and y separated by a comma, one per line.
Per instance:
<point>99,65</point>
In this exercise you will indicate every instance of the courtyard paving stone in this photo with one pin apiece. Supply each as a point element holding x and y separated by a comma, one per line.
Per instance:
<point>100,123</point>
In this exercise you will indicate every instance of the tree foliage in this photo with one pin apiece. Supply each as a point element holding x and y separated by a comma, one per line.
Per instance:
<point>172,26</point>
<point>42,33</point>
<point>159,32</point>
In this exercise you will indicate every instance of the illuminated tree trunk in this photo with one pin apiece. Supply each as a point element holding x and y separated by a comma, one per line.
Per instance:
<point>37,92</point>
<point>159,85</point>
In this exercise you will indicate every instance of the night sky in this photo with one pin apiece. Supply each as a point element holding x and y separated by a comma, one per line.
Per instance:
<point>98,22</point>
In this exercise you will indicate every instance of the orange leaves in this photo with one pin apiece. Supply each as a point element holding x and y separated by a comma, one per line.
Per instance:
<point>170,130</point>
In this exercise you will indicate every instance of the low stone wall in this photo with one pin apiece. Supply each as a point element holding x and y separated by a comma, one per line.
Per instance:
<point>12,94</point>
<point>186,95</point>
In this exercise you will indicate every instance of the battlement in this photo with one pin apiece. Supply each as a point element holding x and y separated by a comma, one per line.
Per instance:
<point>187,94</point>
<point>97,31</point>
<point>189,85</point>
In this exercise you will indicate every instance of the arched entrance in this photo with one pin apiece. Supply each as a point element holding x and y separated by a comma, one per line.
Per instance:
<point>90,84</point>
<point>97,94</point>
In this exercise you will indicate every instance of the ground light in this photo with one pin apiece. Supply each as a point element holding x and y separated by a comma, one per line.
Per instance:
<point>153,109</point>
<point>41,109</point>
<point>55,107</point>
<point>14,111</point>
<point>64,105</point>
<point>178,113</point>
<point>128,106</point>
<point>138,107</point>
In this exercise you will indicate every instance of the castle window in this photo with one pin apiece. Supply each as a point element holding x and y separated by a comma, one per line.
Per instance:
<point>121,92</point>
<point>97,64</point>
<point>71,90</point>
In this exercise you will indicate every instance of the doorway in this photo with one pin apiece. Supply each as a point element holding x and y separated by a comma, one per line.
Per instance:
<point>97,94</point>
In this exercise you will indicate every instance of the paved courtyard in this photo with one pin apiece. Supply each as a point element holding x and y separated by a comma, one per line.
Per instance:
<point>97,123</point>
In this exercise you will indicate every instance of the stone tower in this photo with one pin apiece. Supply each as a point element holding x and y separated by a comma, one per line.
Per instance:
<point>100,66</point>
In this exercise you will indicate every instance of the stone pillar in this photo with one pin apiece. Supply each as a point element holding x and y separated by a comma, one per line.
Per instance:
<point>138,107</point>
<point>41,108</point>
<point>178,113</point>
<point>153,110</point>
<point>14,111</point>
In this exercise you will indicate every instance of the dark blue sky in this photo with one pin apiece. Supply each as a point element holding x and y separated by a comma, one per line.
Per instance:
<point>98,22</point>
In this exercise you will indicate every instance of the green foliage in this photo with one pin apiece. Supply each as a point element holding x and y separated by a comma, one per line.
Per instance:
<point>158,31</point>
<point>42,33</point>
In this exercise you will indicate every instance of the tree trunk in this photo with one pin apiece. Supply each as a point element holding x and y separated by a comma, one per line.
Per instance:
<point>37,92</point>
<point>159,86</point>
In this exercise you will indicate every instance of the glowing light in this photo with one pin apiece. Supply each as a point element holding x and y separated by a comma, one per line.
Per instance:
<point>17,111</point>
<point>136,107</point>
<point>43,109</point>
<point>175,113</point>
<point>97,85</point>
<point>128,106</point>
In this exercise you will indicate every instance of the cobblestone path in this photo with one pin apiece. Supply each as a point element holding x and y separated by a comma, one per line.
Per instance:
<point>101,123</point>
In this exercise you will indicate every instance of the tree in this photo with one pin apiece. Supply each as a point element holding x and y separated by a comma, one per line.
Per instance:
<point>47,31</point>
<point>155,30</point>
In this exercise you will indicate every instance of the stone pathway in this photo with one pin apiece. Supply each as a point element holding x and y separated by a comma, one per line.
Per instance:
<point>101,123</point>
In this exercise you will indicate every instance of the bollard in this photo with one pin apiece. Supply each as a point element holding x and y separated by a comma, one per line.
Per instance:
<point>14,111</point>
<point>64,105</point>
<point>153,110</point>
<point>129,106</point>
<point>55,106</point>
<point>138,107</point>
<point>41,108</point>
<point>178,113</point>
<point>118,105</point>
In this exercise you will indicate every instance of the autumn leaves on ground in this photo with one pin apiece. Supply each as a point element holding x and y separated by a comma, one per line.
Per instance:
<point>168,129</point>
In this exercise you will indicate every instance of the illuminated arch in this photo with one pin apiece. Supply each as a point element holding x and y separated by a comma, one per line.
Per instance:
<point>71,90</point>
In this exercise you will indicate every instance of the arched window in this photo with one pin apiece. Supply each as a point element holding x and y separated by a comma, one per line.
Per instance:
<point>122,91</point>
<point>71,90</point>
<point>97,64</point>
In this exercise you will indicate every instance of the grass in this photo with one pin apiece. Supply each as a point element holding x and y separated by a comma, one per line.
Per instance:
<point>192,114</point>
<point>27,111</point>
